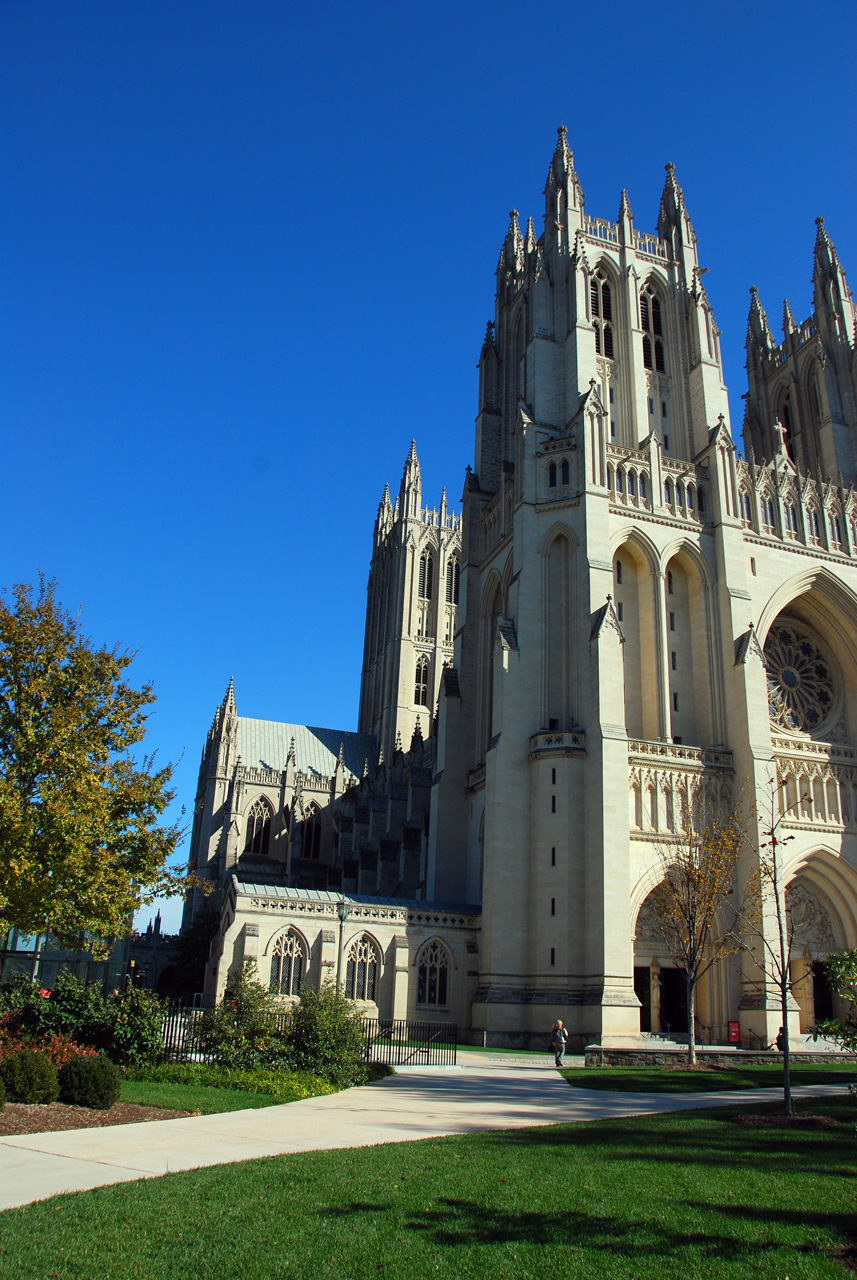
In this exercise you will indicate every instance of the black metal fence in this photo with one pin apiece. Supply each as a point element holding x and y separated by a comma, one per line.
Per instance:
<point>389,1040</point>
<point>400,1043</point>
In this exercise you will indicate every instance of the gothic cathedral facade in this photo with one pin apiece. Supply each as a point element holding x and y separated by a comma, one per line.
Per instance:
<point>625,615</point>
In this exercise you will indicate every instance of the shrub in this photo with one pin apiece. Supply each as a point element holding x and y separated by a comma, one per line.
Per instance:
<point>2,1095</point>
<point>326,1036</point>
<point>92,1082</point>
<point>133,1030</point>
<point>291,1085</point>
<point>29,1077</point>
<point>243,1031</point>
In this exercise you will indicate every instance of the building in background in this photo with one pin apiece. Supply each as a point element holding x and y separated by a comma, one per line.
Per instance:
<point>626,614</point>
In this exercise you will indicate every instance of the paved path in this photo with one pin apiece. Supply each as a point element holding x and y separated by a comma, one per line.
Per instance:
<point>416,1103</point>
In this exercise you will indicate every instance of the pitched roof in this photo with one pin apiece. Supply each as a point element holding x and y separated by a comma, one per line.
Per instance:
<point>266,743</point>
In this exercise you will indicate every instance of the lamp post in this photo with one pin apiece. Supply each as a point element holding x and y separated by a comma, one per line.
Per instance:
<point>342,910</point>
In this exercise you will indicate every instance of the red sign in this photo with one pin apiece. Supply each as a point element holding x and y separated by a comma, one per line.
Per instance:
<point>734,1033</point>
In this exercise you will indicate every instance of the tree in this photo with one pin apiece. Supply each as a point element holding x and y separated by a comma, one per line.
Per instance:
<point>80,844</point>
<point>699,869</point>
<point>768,932</point>
<point>192,950</point>
<point>841,970</point>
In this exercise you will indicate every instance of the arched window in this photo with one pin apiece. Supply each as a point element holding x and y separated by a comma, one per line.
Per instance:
<point>652,326</point>
<point>767,505</point>
<point>552,476</point>
<point>835,528</point>
<point>602,314</point>
<point>563,470</point>
<point>791,517</point>
<point>785,420</point>
<point>619,572</point>
<point>631,485</point>
<point>814,523</point>
<point>744,503</point>
<point>361,972</point>
<point>453,573</point>
<point>669,582</point>
<point>642,479</point>
<point>258,835</point>
<point>312,834</point>
<point>432,972</point>
<point>668,493</point>
<point>287,964</point>
<point>426,576</point>
<point>421,682</point>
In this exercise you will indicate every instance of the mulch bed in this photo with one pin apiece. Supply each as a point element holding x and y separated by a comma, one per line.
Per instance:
<point>777,1120</point>
<point>21,1117</point>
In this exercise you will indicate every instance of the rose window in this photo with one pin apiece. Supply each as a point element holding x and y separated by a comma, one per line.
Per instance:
<point>800,679</point>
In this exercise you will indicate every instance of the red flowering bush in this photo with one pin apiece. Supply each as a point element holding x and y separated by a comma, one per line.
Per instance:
<point>56,1046</point>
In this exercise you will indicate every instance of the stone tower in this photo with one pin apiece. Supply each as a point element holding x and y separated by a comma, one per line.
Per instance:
<point>411,611</point>
<point>801,391</point>
<point>614,548</point>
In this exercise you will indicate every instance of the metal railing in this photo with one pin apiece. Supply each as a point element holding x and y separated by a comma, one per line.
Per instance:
<point>400,1043</point>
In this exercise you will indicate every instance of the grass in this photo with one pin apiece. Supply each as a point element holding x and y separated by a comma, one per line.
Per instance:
<point>676,1080</point>
<point>206,1099</point>
<point>687,1196</point>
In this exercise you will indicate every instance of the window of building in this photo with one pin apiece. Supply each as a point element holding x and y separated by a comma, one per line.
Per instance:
<point>668,493</point>
<point>675,702</point>
<point>672,659</point>
<point>669,582</point>
<point>642,486</point>
<point>288,963</point>
<point>553,856</point>
<point>553,804</point>
<point>564,474</point>
<point>814,523</point>
<point>791,517</point>
<point>553,955</point>
<point>453,576</point>
<point>552,476</point>
<point>835,529</point>
<point>426,576</point>
<point>619,571</point>
<point>421,682</point>
<point>432,974</point>
<point>361,971</point>
<point>768,518</point>
<point>619,611</point>
<point>672,622</point>
<point>652,326</point>
<point>553,906</point>
<point>312,834</point>
<point>602,314</point>
<point>744,503</point>
<point>258,837</point>
<point>651,405</point>
<point>666,444</point>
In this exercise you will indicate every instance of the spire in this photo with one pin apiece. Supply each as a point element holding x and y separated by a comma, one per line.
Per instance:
<point>410,491</point>
<point>828,277</point>
<point>758,329</point>
<point>513,246</point>
<point>562,181</point>
<point>530,238</point>
<point>673,218</point>
<point>789,325</point>
<point>624,207</point>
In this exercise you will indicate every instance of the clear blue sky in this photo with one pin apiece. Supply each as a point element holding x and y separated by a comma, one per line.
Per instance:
<point>248,253</point>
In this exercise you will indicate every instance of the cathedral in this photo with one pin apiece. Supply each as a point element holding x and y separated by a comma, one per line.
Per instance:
<point>625,614</point>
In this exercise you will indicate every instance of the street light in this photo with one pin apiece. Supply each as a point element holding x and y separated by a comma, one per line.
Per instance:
<point>342,910</point>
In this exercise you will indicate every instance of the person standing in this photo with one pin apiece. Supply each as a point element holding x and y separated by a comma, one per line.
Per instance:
<point>559,1035</point>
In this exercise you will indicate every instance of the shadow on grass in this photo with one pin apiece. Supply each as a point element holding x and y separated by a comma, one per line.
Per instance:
<point>661,1140</point>
<point>454,1223</point>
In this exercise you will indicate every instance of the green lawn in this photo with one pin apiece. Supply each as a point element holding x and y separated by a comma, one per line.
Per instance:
<point>675,1197</point>
<point>191,1097</point>
<point>672,1080</point>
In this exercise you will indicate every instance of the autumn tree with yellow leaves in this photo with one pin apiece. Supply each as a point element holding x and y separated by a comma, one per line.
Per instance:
<point>81,846</point>
<point>692,912</point>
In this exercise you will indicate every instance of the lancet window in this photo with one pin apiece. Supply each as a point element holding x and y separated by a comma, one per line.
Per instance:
<point>312,834</point>
<point>426,577</point>
<point>288,963</point>
<point>258,836</point>
<point>361,971</point>
<point>453,573</point>
<point>653,331</point>
<point>432,974</point>
<point>601,300</point>
<point>421,682</point>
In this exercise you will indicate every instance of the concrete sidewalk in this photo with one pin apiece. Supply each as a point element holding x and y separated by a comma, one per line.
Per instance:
<point>423,1102</point>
